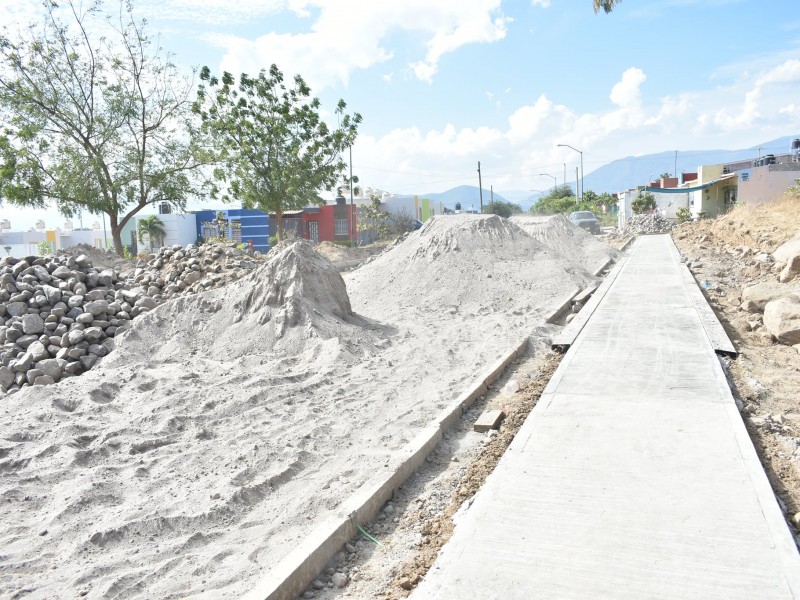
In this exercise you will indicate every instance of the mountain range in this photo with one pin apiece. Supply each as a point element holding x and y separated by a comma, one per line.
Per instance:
<point>621,174</point>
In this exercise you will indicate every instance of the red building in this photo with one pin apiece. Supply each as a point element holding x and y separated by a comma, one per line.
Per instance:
<point>329,223</point>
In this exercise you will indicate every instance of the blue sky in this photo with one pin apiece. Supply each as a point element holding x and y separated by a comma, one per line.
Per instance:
<point>443,84</point>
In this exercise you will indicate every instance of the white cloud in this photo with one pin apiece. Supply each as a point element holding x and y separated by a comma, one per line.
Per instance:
<point>542,3</point>
<point>760,101</point>
<point>350,34</point>
<point>626,93</point>
<point>211,12</point>
<point>20,12</point>
<point>512,156</point>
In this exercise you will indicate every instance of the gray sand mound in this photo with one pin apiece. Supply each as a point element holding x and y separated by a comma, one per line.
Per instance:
<point>468,263</point>
<point>566,238</point>
<point>158,472</point>
<point>226,426</point>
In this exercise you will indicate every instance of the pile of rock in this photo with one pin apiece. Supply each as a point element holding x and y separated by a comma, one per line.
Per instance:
<point>56,314</point>
<point>176,271</point>
<point>59,313</point>
<point>643,224</point>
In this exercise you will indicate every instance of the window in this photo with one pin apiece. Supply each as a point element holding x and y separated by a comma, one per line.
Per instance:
<point>340,227</point>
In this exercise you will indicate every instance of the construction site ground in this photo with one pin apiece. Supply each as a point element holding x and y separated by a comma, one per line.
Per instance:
<point>764,380</point>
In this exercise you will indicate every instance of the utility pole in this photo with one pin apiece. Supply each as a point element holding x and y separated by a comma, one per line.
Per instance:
<point>354,236</point>
<point>577,199</point>
<point>675,170</point>
<point>491,192</point>
<point>565,174</point>
<point>480,185</point>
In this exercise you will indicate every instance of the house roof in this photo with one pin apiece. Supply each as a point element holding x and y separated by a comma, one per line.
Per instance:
<point>693,188</point>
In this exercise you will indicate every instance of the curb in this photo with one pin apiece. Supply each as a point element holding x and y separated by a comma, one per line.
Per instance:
<point>626,244</point>
<point>562,307</point>
<point>295,572</point>
<point>603,267</point>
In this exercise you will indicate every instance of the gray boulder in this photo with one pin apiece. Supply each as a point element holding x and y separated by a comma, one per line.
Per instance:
<point>791,270</point>
<point>32,324</point>
<point>782,319</point>
<point>38,351</point>
<point>17,309</point>
<point>6,377</point>
<point>785,251</point>
<point>63,272</point>
<point>756,297</point>
<point>43,380</point>
<point>50,367</point>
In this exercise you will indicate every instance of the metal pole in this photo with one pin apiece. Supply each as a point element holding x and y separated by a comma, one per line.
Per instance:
<point>480,185</point>
<point>491,191</point>
<point>105,239</point>
<point>581,151</point>
<point>577,199</point>
<point>553,177</point>
<point>353,235</point>
<point>565,173</point>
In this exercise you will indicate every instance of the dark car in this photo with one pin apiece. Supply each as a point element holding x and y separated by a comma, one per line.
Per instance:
<point>586,220</point>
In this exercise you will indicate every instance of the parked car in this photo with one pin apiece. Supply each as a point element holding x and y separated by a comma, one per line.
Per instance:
<point>586,220</point>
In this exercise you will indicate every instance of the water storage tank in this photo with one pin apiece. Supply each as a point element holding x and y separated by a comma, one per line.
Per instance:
<point>68,225</point>
<point>39,224</point>
<point>5,224</point>
<point>96,225</point>
<point>796,144</point>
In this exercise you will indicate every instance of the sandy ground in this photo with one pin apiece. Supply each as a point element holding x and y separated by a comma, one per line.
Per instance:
<point>559,234</point>
<point>226,425</point>
<point>765,378</point>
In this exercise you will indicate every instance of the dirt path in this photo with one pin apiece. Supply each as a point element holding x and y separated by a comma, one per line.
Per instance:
<point>765,377</point>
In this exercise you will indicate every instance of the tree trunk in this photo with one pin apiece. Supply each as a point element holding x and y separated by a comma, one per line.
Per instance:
<point>116,235</point>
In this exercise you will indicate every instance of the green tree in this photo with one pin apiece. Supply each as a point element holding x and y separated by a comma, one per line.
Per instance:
<point>605,5</point>
<point>374,219</point>
<point>643,202</point>
<point>272,149</point>
<point>665,175</point>
<point>93,116</point>
<point>153,228</point>
<point>503,209</point>
<point>560,200</point>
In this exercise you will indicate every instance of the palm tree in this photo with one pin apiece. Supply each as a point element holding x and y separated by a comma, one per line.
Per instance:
<point>153,228</point>
<point>605,5</point>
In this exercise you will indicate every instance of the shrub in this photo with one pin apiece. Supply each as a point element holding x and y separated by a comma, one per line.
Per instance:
<point>683,214</point>
<point>43,248</point>
<point>643,202</point>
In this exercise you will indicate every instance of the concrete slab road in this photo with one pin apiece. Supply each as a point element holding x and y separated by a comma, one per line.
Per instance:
<point>633,477</point>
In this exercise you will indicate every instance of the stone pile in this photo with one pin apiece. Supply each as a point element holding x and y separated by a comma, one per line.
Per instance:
<point>58,314</point>
<point>176,271</point>
<point>643,224</point>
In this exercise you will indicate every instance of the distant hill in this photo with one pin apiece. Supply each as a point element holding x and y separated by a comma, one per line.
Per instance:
<point>631,171</point>
<point>620,174</point>
<point>467,195</point>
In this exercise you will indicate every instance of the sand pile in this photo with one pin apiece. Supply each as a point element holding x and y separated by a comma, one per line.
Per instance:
<point>563,236</point>
<point>228,424</point>
<point>101,259</point>
<point>467,264</point>
<point>201,449</point>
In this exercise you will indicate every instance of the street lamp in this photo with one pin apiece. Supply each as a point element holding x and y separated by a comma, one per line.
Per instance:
<point>555,181</point>
<point>580,194</point>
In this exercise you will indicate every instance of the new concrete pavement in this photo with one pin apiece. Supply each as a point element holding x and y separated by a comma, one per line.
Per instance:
<point>634,476</point>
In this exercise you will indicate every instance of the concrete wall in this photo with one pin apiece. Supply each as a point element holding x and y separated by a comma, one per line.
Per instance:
<point>21,243</point>
<point>767,183</point>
